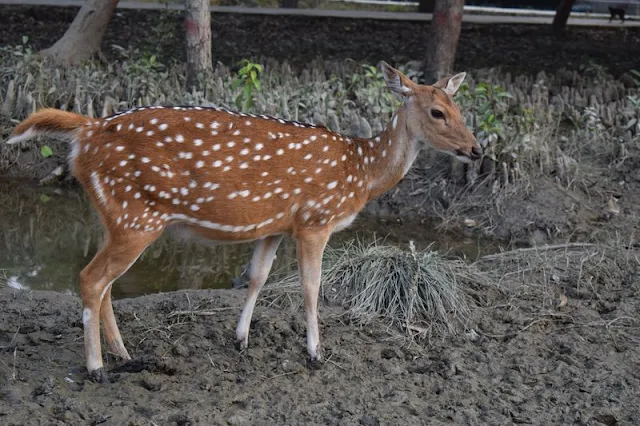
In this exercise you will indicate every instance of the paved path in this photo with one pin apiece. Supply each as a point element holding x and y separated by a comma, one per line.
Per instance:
<point>353,14</point>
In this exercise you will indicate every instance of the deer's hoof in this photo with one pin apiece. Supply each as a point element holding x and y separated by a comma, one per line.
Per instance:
<point>99,375</point>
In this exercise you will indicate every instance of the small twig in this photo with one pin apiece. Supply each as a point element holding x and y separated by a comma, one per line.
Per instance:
<point>15,352</point>
<point>213,364</point>
<point>541,248</point>
<point>202,313</point>
<point>281,375</point>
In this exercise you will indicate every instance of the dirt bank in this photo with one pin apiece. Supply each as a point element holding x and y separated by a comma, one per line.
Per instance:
<point>558,344</point>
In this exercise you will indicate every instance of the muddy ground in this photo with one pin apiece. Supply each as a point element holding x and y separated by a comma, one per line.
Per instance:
<point>516,364</point>
<point>565,351</point>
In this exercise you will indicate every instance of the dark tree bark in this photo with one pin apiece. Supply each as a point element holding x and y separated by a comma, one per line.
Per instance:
<point>444,33</point>
<point>562,16</point>
<point>83,37</point>
<point>426,6</point>
<point>198,28</point>
<point>291,4</point>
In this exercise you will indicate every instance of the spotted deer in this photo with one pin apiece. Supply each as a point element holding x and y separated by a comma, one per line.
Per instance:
<point>235,177</point>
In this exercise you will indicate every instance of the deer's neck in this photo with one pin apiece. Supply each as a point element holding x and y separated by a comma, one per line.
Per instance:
<point>389,155</point>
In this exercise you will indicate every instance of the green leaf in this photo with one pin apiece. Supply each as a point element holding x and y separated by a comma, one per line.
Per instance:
<point>236,84</point>
<point>44,198</point>
<point>46,151</point>
<point>25,39</point>
<point>258,85</point>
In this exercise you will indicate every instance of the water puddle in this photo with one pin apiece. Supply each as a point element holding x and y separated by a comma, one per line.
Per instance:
<point>47,235</point>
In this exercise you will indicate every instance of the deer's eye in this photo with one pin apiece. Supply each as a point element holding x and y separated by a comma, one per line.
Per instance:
<point>437,114</point>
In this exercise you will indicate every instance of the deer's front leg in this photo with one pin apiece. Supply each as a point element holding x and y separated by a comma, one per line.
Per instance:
<point>310,247</point>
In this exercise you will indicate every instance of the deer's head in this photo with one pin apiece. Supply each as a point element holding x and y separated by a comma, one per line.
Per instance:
<point>433,118</point>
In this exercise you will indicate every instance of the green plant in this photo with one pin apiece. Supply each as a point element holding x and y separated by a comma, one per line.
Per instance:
<point>635,74</point>
<point>46,151</point>
<point>249,80</point>
<point>20,50</point>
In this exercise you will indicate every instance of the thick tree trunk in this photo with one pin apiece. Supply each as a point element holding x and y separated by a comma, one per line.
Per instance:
<point>291,4</point>
<point>443,39</point>
<point>198,28</point>
<point>426,6</point>
<point>82,39</point>
<point>562,16</point>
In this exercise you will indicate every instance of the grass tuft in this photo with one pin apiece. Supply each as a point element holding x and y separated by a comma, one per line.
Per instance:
<point>404,287</point>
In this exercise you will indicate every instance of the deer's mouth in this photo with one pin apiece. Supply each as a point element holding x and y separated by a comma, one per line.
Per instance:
<point>473,154</point>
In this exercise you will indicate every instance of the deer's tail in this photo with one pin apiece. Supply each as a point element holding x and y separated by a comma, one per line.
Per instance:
<point>48,121</point>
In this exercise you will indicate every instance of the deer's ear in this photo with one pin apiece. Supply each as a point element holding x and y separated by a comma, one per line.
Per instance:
<point>450,85</point>
<point>396,81</point>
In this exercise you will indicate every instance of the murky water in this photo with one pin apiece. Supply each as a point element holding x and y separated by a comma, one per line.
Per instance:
<point>47,235</point>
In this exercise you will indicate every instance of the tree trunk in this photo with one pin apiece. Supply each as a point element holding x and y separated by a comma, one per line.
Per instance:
<point>562,16</point>
<point>291,4</point>
<point>443,39</point>
<point>198,28</point>
<point>83,37</point>
<point>426,6</point>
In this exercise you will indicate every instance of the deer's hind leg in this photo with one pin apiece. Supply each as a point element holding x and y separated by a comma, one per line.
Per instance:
<point>263,255</point>
<point>119,252</point>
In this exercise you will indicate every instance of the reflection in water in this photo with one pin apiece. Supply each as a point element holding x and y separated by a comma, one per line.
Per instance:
<point>47,235</point>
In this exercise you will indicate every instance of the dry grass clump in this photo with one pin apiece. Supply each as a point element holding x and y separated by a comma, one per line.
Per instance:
<point>417,290</point>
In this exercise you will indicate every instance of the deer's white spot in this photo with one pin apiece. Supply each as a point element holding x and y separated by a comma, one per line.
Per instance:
<point>332,185</point>
<point>197,142</point>
<point>179,138</point>
<point>244,165</point>
<point>163,127</point>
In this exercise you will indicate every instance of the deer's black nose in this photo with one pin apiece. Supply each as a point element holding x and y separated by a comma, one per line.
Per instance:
<point>476,152</point>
